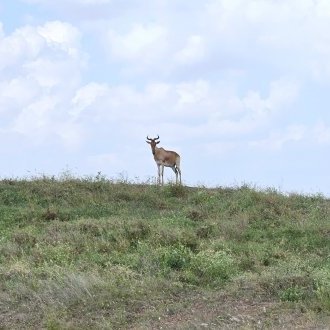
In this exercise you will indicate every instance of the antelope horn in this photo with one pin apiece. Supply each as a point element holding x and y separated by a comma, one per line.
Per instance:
<point>148,138</point>
<point>157,138</point>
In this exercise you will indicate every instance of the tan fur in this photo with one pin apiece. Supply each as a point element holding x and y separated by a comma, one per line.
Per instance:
<point>165,158</point>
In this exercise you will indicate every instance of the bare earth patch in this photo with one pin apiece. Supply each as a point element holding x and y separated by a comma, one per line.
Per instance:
<point>220,311</point>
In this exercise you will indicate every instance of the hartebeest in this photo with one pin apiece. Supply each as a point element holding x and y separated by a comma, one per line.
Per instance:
<point>164,158</point>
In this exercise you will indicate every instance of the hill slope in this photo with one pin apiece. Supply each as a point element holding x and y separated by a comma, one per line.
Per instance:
<point>92,253</point>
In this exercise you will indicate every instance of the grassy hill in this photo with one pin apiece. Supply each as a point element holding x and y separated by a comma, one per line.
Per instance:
<point>92,253</point>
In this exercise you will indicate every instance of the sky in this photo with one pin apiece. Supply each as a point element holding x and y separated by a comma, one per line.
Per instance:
<point>239,88</point>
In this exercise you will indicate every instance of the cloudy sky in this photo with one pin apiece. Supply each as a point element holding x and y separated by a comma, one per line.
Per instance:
<point>240,88</point>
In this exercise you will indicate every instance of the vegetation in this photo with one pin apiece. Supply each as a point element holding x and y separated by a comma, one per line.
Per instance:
<point>94,253</point>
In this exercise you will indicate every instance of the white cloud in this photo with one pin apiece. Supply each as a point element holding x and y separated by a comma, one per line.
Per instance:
<point>289,34</point>
<point>312,134</point>
<point>42,68</point>
<point>75,2</point>
<point>221,148</point>
<point>86,96</point>
<point>158,92</point>
<point>321,132</point>
<point>91,2</point>
<point>17,93</point>
<point>61,35</point>
<point>104,160</point>
<point>2,33</point>
<point>39,121</point>
<point>49,73</point>
<point>282,93</point>
<point>278,139</point>
<point>35,118</point>
<point>192,93</point>
<point>163,36</point>
<point>29,43</point>
<point>24,44</point>
<point>192,109</point>
<point>142,42</point>
<point>71,134</point>
<point>323,8</point>
<point>194,51</point>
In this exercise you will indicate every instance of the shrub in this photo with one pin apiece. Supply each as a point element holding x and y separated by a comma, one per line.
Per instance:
<point>293,294</point>
<point>322,287</point>
<point>213,267</point>
<point>176,258</point>
<point>174,190</point>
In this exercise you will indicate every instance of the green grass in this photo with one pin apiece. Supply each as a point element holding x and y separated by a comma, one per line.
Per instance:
<point>96,253</point>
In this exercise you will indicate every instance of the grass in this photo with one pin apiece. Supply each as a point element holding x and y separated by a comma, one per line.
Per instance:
<point>95,253</point>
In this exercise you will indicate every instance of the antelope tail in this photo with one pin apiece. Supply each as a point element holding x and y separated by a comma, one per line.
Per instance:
<point>177,162</point>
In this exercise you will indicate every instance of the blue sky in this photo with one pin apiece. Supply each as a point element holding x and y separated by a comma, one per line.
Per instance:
<point>240,88</point>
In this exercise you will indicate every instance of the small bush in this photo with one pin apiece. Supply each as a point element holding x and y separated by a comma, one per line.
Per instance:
<point>136,231</point>
<point>205,231</point>
<point>58,255</point>
<point>196,215</point>
<point>176,258</point>
<point>50,215</point>
<point>178,191</point>
<point>213,267</point>
<point>204,198</point>
<point>292,294</point>
<point>322,287</point>
<point>91,227</point>
<point>323,295</point>
<point>24,239</point>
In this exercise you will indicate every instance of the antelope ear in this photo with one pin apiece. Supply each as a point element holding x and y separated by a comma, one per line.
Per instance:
<point>148,142</point>
<point>157,142</point>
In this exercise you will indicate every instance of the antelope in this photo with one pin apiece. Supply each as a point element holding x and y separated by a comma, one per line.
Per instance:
<point>163,158</point>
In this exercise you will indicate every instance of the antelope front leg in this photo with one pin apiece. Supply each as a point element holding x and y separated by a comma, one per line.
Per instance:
<point>162,172</point>
<point>158,179</point>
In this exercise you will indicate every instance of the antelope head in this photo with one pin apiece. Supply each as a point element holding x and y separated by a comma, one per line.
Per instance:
<point>153,142</point>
